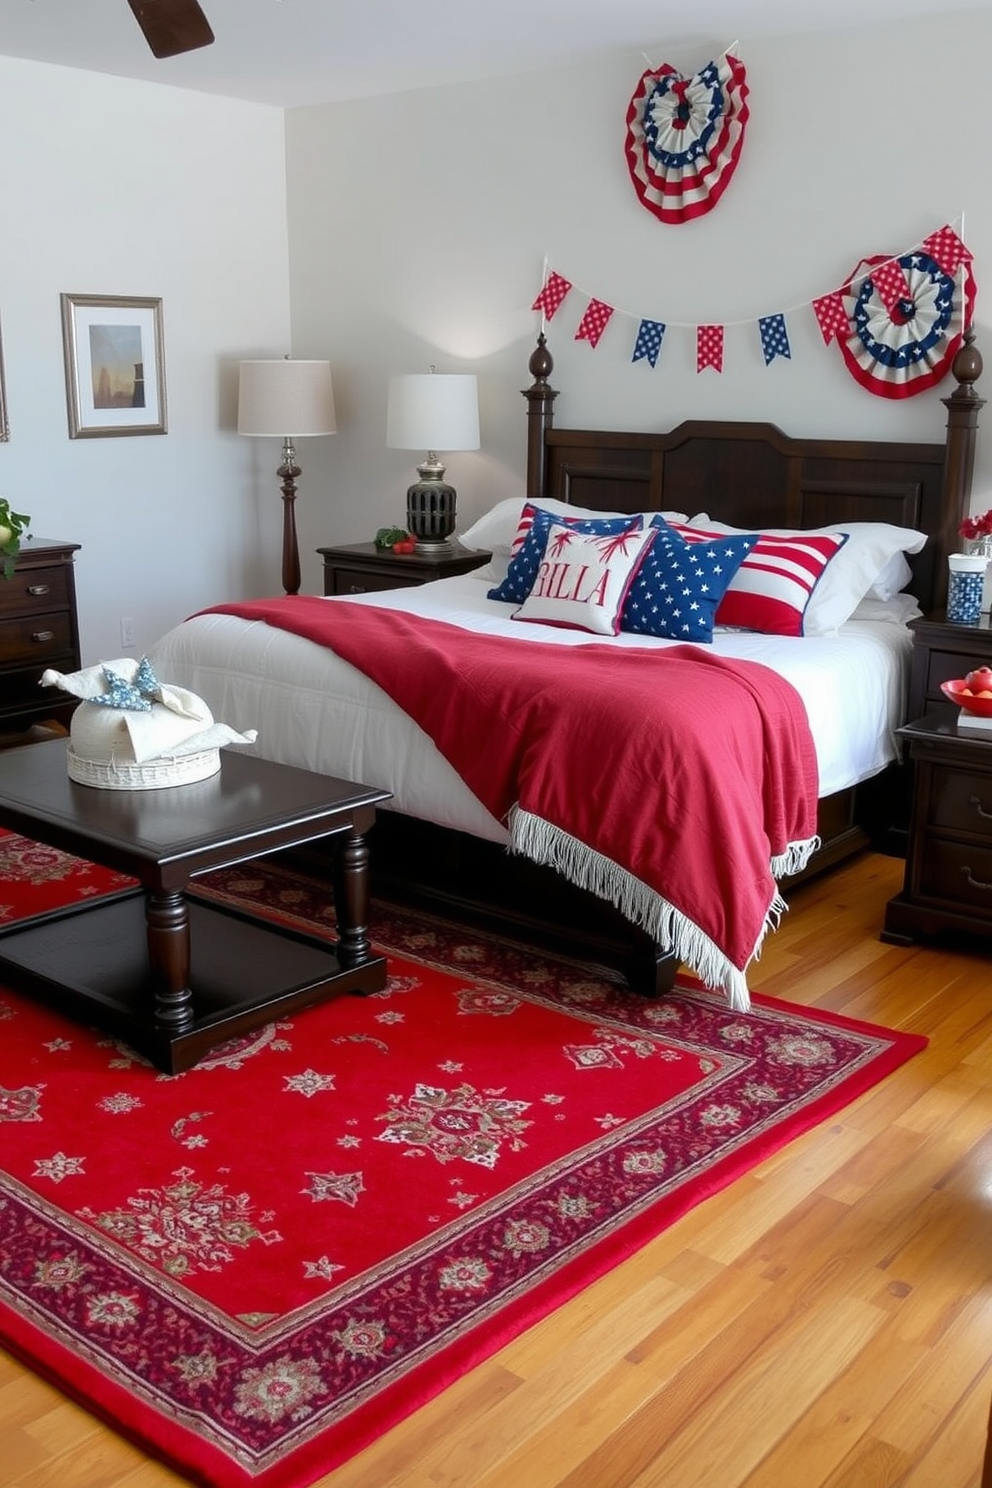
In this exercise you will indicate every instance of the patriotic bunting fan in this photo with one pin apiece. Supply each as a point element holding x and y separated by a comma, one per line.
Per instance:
<point>684,137</point>
<point>906,316</point>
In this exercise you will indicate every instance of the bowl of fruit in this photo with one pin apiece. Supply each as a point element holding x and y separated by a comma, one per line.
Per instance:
<point>973,694</point>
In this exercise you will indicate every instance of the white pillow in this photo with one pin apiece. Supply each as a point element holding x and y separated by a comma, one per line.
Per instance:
<point>495,530</point>
<point>900,608</point>
<point>583,578</point>
<point>893,579</point>
<point>850,575</point>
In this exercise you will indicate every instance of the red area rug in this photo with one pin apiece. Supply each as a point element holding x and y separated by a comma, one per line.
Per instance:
<point>256,1267</point>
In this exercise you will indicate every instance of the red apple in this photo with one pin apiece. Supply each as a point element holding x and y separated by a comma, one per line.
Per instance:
<point>980,680</point>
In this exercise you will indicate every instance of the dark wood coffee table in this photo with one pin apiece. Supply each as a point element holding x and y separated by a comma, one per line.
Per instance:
<point>173,975</point>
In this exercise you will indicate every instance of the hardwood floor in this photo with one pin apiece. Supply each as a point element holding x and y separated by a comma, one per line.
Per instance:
<point>826,1322</point>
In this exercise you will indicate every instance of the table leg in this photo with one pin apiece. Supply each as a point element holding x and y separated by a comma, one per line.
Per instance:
<point>351,898</point>
<point>167,921</point>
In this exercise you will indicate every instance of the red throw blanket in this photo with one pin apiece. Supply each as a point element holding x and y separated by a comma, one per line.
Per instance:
<point>675,783</point>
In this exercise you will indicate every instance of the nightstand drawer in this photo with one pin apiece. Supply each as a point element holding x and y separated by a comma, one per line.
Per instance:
<point>29,639</point>
<point>362,568</point>
<point>945,666</point>
<point>958,874</point>
<point>360,581</point>
<point>961,801</point>
<point>32,589</point>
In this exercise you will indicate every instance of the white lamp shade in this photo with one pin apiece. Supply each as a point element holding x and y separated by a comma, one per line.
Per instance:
<point>433,411</point>
<point>286,398</point>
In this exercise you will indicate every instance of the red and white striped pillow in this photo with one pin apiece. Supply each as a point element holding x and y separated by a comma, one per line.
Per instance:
<point>771,590</point>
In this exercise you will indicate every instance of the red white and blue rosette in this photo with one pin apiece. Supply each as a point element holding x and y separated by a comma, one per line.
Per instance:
<point>684,136</point>
<point>906,317</point>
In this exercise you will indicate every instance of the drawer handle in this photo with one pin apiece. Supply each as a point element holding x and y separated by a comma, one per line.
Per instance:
<point>976,883</point>
<point>356,589</point>
<point>37,590</point>
<point>43,635</point>
<point>976,801</point>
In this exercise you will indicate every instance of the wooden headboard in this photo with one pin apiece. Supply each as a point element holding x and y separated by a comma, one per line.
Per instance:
<point>753,475</point>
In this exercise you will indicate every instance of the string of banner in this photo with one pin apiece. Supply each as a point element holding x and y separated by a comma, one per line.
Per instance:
<point>898,320</point>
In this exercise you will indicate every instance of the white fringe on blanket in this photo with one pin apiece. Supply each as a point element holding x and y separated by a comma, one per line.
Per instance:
<point>542,842</point>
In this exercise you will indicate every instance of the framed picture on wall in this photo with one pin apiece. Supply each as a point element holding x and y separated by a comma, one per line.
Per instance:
<point>114,365</point>
<point>4,423</point>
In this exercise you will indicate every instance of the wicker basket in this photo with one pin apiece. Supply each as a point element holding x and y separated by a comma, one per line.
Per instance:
<point>156,774</point>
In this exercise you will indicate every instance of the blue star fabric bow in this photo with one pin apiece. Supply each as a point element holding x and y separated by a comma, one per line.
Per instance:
<point>134,697</point>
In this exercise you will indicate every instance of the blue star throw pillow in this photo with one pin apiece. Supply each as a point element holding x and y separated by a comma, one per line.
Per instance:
<point>531,540</point>
<point>679,584</point>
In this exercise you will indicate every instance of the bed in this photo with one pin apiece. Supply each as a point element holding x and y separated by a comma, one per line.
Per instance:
<point>441,845</point>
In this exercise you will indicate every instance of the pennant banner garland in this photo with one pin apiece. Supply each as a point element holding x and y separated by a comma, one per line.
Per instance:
<point>898,321</point>
<point>684,137</point>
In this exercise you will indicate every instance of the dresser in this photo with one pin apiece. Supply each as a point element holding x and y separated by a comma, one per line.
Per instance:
<point>362,568</point>
<point>39,628</point>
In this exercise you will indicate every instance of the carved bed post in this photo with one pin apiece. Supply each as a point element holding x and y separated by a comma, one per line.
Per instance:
<point>540,416</point>
<point>963,408</point>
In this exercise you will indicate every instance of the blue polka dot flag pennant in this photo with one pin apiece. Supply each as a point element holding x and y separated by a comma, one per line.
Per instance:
<point>774,337</point>
<point>650,335</point>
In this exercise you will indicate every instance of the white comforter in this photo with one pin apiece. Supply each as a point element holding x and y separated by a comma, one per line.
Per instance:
<point>315,711</point>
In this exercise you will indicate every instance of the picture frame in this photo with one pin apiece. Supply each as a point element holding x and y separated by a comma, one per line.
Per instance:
<point>4,421</point>
<point>114,365</point>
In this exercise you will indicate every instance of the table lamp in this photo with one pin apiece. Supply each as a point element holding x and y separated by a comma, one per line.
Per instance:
<point>289,400</point>
<point>432,411</point>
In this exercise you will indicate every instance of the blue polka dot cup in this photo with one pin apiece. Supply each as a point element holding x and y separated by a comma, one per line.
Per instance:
<point>965,582</point>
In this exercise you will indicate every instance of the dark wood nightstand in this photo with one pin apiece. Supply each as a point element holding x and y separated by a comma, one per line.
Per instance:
<point>38,629</point>
<point>362,568</point>
<point>948,881</point>
<point>941,653</point>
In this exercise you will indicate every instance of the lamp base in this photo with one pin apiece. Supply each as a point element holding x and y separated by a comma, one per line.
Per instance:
<point>430,515</point>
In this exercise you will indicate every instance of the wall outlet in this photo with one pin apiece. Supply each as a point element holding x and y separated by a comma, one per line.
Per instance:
<point>127,630</point>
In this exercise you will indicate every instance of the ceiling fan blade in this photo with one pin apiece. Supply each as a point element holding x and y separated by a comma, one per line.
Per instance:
<point>172,26</point>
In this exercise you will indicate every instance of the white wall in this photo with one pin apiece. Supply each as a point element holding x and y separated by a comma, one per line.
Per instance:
<point>419,225</point>
<point>114,187</point>
<point>390,233</point>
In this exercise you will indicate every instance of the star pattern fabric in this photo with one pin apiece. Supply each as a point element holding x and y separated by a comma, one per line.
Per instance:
<point>583,579</point>
<point>684,136</point>
<point>134,697</point>
<point>536,523</point>
<point>899,350</point>
<point>676,590</point>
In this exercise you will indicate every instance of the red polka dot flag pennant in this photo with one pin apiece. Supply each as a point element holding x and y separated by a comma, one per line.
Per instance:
<point>555,289</point>
<point>831,316</point>
<point>709,347</point>
<point>684,136</point>
<point>890,285</point>
<point>594,322</point>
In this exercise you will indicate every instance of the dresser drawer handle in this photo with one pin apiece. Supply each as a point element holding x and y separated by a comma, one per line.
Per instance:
<point>36,590</point>
<point>356,589</point>
<point>43,635</point>
<point>976,883</point>
<point>976,801</point>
